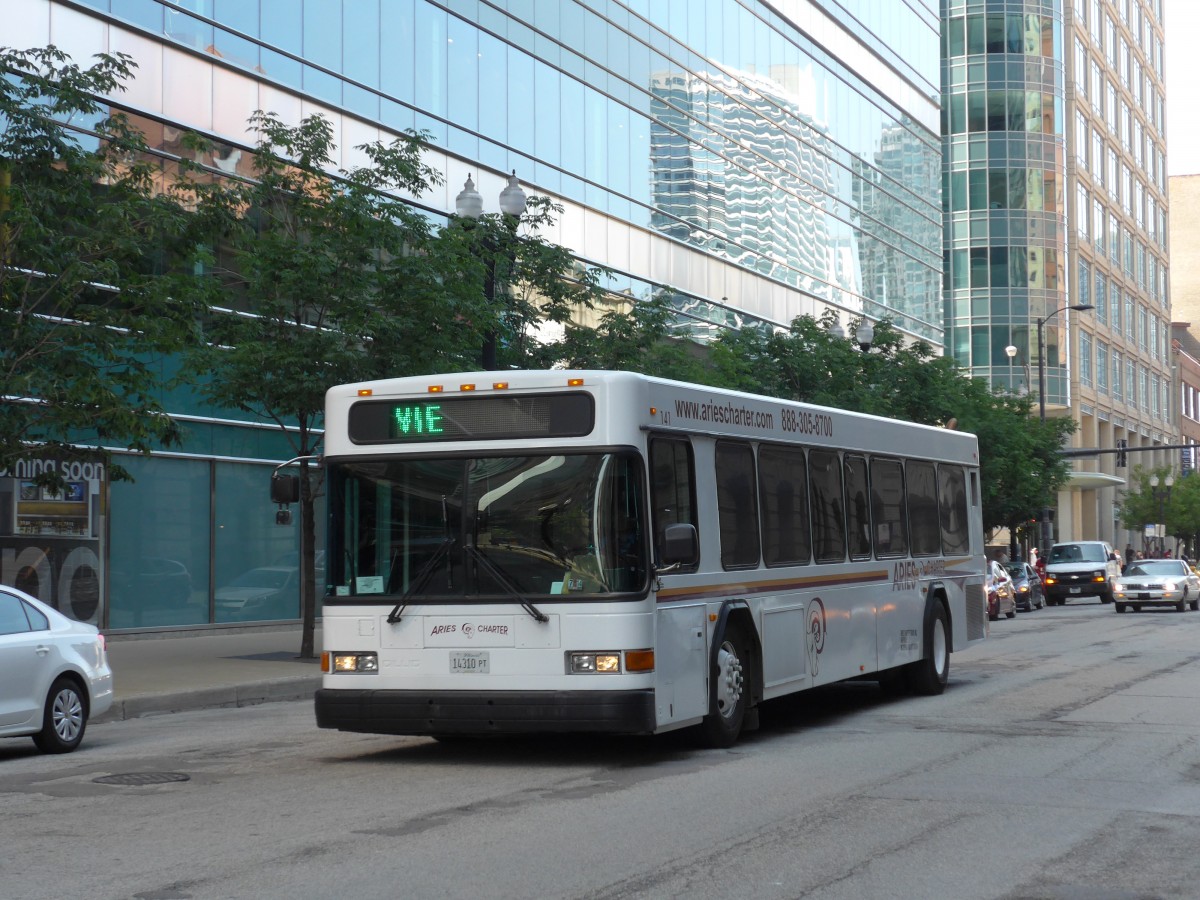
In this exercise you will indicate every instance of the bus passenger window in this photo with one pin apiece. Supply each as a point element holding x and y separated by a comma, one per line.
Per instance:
<point>783,499</point>
<point>828,515</point>
<point>952,509</point>
<point>672,486</point>
<point>888,507</point>
<point>737,509</point>
<point>858,516</point>
<point>923,509</point>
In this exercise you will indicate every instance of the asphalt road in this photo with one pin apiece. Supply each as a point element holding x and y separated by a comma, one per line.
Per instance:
<point>1063,762</point>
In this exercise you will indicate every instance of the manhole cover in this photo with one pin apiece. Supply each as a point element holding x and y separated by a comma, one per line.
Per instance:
<point>138,778</point>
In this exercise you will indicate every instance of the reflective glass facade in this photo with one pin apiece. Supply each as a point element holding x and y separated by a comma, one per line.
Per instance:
<point>1003,186</point>
<point>753,161</point>
<point>1055,195</point>
<point>791,143</point>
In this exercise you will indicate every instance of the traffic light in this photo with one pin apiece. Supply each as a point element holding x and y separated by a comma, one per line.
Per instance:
<point>1122,445</point>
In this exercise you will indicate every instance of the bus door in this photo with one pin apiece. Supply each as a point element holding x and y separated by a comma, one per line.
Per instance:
<point>680,642</point>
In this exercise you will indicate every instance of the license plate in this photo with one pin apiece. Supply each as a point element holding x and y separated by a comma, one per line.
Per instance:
<point>1143,596</point>
<point>471,662</point>
<point>1076,590</point>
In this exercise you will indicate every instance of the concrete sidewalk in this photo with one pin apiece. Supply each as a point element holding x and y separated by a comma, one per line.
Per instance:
<point>164,673</point>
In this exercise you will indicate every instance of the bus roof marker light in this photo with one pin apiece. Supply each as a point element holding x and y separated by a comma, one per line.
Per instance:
<point>365,392</point>
<point>574,382</point>
<point>500,385</point>
<point>466,387</point>
<point>435,389</point>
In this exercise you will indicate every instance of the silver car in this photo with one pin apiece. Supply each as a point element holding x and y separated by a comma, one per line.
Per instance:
<point>1157,582</point>
<point>54,673</point>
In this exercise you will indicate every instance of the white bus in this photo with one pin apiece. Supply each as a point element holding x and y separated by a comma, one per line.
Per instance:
<point>608,552</point>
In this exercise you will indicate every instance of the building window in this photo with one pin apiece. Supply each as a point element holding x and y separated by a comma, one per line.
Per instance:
<point>1085,358</point>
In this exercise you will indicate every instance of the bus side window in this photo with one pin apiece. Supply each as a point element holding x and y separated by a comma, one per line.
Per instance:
<point>828,513</point>
<point>858,516</point>
<point>887,507</point>
<point>952,509</point>
<point>737,505</point>
<point>783,499</point>
<point>672,487</point>
<point>923,509</point>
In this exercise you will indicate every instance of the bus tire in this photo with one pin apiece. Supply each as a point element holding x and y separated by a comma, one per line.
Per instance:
<point>928,676</point>
<point>730,693</point>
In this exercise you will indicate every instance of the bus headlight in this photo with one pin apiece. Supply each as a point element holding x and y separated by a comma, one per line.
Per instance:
<point>355,662</point>
<point>594,663</point>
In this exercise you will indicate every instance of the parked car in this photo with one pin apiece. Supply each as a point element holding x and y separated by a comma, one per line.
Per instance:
<point>1027,586</point>
<point>267,592</point>
<point>1000,592</point>
<point>54,673</point>
<point>153,580</point>
<point>1157,582</point>
<point>1079,569</point>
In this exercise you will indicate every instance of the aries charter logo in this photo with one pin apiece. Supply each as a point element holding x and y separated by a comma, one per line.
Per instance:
<point>814,639</point>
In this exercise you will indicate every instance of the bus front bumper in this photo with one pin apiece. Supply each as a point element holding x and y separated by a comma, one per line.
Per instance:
<point>490,712</point>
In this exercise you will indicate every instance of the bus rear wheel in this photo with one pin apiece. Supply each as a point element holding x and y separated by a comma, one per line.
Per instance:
<point>730,695</point>
<point>928,676</point>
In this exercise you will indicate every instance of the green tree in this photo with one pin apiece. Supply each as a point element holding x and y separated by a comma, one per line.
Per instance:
<point>308,257</point>
<point>336,279</point>
<point>95,284</point>
<point>1176,508</point>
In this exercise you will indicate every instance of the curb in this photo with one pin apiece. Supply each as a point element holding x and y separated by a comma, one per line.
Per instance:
<point>298,688</point>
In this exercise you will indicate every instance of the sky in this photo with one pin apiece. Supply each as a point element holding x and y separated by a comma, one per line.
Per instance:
<point>1181,19</point>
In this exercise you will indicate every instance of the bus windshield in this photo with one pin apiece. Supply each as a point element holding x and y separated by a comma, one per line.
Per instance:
<point>487,527</point>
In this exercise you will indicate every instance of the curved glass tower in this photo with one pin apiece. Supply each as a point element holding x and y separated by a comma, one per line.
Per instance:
<point>1003,179</point>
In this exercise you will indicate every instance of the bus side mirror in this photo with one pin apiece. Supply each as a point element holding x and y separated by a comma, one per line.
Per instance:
<point>680,545</point>
<point>285,488</point>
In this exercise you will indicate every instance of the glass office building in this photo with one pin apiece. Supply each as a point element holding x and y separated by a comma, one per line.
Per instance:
<point>751,161</point>
<point>1055,195</point>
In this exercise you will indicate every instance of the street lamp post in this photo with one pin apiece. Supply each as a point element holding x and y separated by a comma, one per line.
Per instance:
<point>864,334</point>
<point>1160,499</point>
<point>469,205</point>
<point>1041,339</point>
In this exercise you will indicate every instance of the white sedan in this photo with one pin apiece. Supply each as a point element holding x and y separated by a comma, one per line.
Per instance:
<point>54,673</point>
<point>1157,582</point>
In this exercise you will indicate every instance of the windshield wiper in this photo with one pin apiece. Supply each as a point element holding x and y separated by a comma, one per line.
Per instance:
<point>505,582</point>
<point>423,576</point>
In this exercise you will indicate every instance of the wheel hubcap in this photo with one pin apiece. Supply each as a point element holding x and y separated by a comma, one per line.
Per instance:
<point>940,655</point>
<point>729,679</point>
<point>67,715</point>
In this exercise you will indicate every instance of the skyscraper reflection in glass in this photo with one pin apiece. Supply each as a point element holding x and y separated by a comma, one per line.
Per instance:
<point>758,160</point>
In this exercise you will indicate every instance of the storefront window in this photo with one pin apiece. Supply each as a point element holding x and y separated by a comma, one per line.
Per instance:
<point>158,556</point>
<point>256,567</point>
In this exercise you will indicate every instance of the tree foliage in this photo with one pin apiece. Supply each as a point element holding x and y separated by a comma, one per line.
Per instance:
<point>1176,508</point>
<point>336,279</point>
<point>95,284</point>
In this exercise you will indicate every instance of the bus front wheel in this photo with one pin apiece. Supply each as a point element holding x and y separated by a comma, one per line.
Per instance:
<point>928,676</point>
<point>730,694</point>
